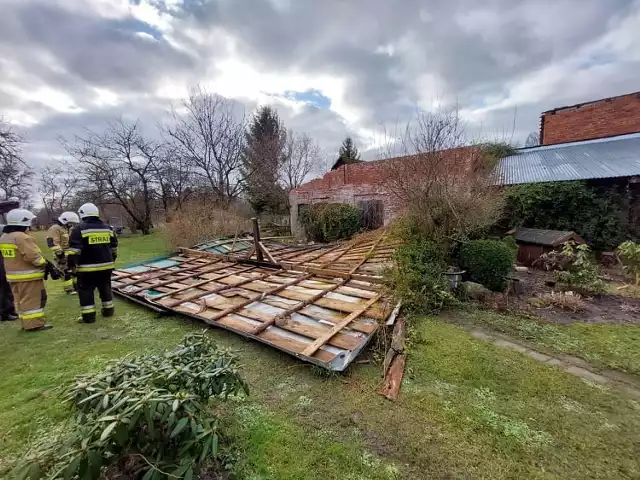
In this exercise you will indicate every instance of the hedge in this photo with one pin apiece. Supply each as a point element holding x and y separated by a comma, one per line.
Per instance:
<point>328,222</point>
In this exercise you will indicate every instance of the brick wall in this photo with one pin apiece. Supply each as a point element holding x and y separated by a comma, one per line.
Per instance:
<point>601,118</point>
<point>366,181</point>
<point>347,184</point>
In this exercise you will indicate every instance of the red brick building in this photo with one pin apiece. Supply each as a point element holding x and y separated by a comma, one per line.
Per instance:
<point>588,141</point>
<point>607,117</point>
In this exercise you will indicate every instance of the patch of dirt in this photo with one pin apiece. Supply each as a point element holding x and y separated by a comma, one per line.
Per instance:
<point>605,308</point>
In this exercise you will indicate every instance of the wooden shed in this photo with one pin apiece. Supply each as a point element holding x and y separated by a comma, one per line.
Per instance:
<point>533,242</point>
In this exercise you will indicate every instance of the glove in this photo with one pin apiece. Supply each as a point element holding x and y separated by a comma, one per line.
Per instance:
<point>51,270</point>
<point>59,255</point>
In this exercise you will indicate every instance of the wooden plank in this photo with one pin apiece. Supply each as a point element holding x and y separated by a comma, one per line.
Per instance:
<point>305,301</point>
<point>349,307</point>
<point>161,272</point>
<point>311,349</point>
<point>197,295</point>
<point>218,266</point>
<point>266,252</point>
<point>255,298</point>
<point>310,330</point>
<point>364,258</point>
<point>204,282</point>
<point>393,380</point>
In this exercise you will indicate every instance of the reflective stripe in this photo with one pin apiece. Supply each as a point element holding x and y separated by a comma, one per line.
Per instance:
<point>31,314</point>
<point>88,309</point>
<point>96,230</point>
<point>40,262</point>
<point>74,251</point>
<point>107,304</point>
<point>96,267</point>
<point>23,275</point>
<point>55,248</point>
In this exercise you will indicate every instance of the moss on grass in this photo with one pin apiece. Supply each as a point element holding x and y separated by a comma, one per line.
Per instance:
<point>604,345</point>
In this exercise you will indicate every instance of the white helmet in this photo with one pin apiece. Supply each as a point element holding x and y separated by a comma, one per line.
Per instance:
<point>68,217</point>
<point>20,217</point>
<point>88,210</point>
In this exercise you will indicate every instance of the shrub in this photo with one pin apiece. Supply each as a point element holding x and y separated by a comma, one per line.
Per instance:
<point>328,222</point>
<point>582,275</point>
<point>152,409</point>
<point>197,222</point>
<point>629,253</point>
<point>487,262</point>
<point>594,215</point>
<point>417,276</point>
<point>442,181</point>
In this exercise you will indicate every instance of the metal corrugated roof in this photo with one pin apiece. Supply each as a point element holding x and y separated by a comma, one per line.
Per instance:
<point>600,158</point>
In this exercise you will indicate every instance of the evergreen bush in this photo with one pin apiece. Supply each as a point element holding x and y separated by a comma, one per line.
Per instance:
<point>488,262</point>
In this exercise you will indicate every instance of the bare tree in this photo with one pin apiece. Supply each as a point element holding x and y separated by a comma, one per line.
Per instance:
<point>15,174</point>
<point>120,167</point>
<point>59,183</point>
<point>533,140</point>
<point>175,177</point>
<point>301,156</point>
<point>211,138</point>
<point>442,180</point>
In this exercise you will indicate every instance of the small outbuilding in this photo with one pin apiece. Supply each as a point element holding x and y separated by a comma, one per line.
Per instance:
<point>533,242</point>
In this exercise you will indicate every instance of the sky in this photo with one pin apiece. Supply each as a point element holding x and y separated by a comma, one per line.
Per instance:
<point>331,67</point>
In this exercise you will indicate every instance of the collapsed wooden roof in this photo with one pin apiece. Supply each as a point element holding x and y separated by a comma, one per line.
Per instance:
<point>321,303</point>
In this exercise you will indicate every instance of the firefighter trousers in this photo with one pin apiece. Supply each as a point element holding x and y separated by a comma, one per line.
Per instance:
<point>30,299</point>
<point>87,283</point>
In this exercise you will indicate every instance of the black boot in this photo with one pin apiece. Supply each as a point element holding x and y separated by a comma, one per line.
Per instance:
<point>88,318</point>
<point>9,317</point>
<point>108,312</point>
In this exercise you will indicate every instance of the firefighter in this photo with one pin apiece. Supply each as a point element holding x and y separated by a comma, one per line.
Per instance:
<point>25,266</point>
<point>93,247</point>
<point>58,243</point>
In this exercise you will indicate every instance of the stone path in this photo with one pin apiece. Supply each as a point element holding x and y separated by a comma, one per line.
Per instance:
<point>573,365</point>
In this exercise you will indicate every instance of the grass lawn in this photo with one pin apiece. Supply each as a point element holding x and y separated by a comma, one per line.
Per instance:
<point>467,409</point>
<point>607,346</point>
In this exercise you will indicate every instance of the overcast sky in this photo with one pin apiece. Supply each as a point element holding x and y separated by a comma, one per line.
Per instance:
<point>332,67</point>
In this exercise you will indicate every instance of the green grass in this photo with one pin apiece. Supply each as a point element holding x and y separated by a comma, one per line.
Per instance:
<point>606,346</point>
<point>467,409</point>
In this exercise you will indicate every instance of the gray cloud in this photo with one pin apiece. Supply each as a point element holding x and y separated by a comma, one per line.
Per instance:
<point>489,58</point>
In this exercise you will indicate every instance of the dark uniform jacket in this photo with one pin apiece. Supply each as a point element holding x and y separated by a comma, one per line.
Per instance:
<point>93,246</point>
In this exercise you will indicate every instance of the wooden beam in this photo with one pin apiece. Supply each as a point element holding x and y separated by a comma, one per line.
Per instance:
<point>287,313</point>
<point>201,283</point>
<point>196,296</point>
<point>256,239</point>
<point>219,266</point>
<point>393,380</point>
<point>324,272</point>
<point>253,299</point>
<point>366,255</point>
<point>311,349</point>
<point>266,252</point>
